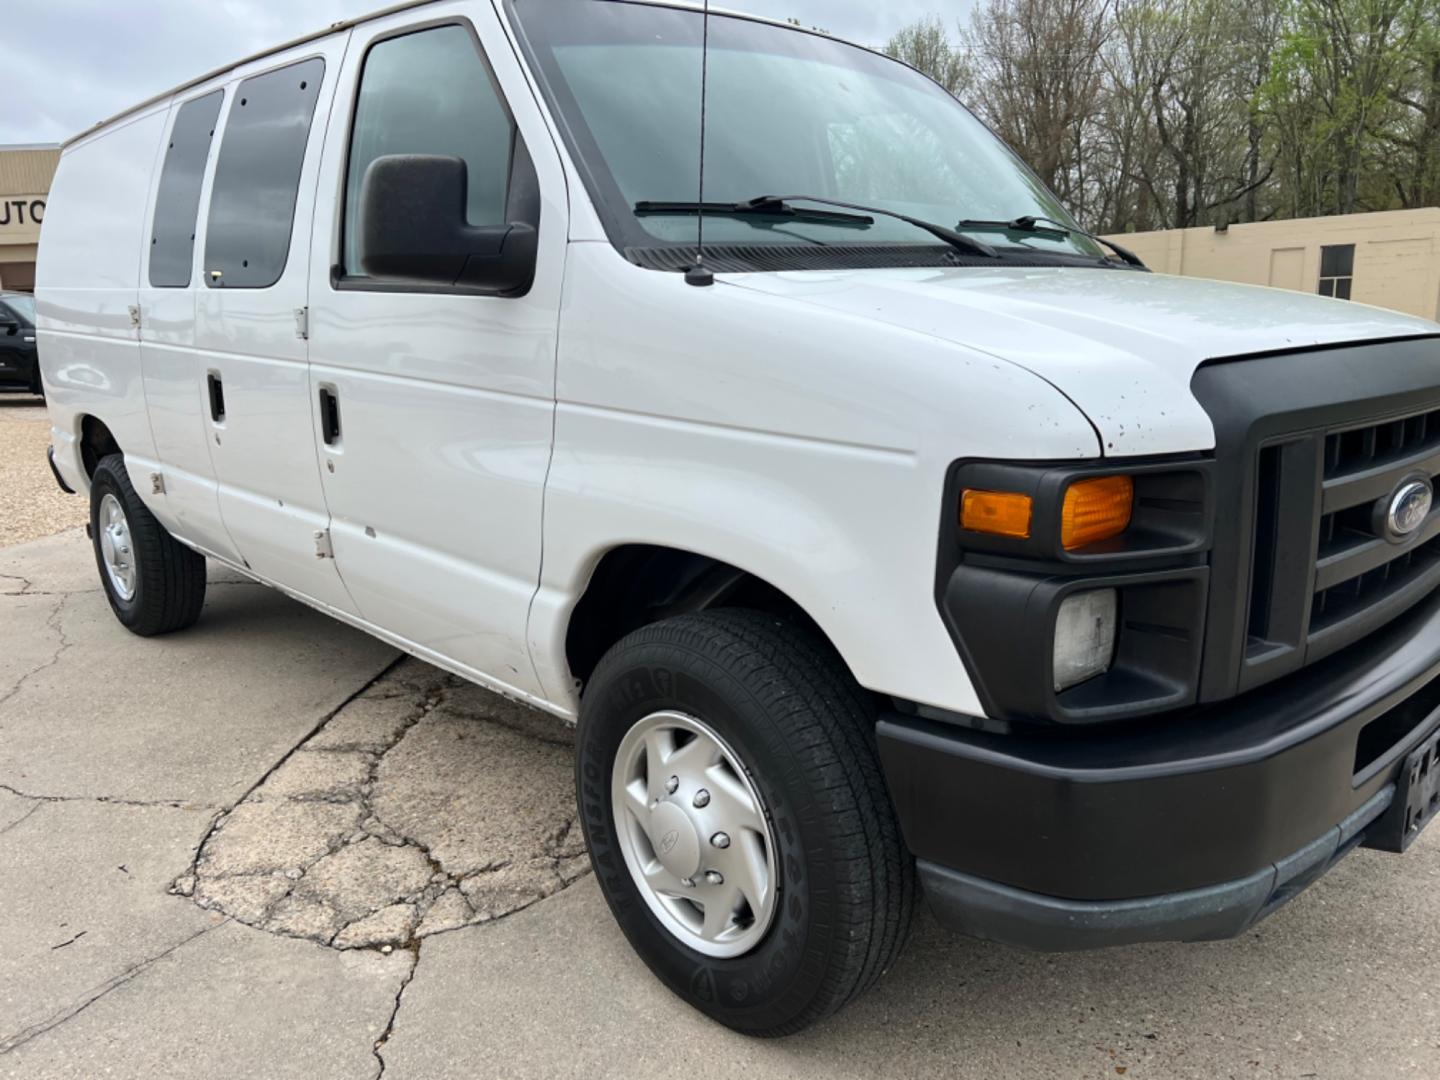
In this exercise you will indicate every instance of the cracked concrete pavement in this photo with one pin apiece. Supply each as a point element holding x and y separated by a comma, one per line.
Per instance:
<point>423,805</point>
<point>271,847</point>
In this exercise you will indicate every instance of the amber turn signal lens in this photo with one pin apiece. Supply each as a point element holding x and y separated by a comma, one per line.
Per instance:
<point>998,513</point>
<point>1096,510</point>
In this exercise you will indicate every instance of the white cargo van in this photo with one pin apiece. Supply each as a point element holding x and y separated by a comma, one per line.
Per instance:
<point>910,540</point>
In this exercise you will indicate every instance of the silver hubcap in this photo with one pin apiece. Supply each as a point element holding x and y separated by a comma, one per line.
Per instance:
<point>115,547</point>
<point>694,833</point>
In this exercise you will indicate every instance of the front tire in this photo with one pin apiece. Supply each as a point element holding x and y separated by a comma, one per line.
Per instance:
<point>680,721</point>
<point>154,583</point>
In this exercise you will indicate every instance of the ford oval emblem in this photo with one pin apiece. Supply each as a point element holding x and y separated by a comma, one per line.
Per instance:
<point>1409,507</point>
<point>668,841</point>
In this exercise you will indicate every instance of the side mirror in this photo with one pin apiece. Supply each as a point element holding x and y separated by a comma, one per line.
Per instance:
<point>10,327</point>
<point>413,228</point>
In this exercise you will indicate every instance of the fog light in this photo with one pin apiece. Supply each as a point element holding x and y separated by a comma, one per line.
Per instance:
<point>1085,637</point>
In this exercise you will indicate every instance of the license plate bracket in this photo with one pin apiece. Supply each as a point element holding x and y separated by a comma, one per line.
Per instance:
<point>1417,800</point>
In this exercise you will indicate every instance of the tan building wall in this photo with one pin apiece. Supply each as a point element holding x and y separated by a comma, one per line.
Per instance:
<point>25,175</point>
<point>1396,261</point>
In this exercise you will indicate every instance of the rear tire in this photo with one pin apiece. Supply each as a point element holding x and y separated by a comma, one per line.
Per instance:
<point>776,697</point>
<point>154,583</point>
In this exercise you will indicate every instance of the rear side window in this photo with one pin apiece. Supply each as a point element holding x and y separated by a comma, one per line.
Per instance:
<point>177,200</point>
<point>430,92</point>
<point>257,179</point>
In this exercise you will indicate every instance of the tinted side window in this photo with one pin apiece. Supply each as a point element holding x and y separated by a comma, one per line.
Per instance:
<point>177,200</point>
<point>430,92</point>
<point>252,204</point>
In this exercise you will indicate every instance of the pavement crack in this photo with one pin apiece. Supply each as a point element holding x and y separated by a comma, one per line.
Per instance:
<point>108,800</point>
<point>53,623</point>
<point>355,866</point>
<point>22,818</point>
<point>315,730</point>
<point>384,1038</point>
<point>25,584</point>
<point>94,994</point>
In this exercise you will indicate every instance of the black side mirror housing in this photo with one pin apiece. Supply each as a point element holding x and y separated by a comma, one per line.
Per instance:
<point>413,229</point>
<point>10,327</point>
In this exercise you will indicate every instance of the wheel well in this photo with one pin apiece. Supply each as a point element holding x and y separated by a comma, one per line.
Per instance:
<point>636,585</point>
<point>96,442</point>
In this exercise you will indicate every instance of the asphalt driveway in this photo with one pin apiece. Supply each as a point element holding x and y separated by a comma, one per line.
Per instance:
<point>270,847</point>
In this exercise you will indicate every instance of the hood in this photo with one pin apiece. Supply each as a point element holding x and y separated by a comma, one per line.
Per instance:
<point>1122,346</point>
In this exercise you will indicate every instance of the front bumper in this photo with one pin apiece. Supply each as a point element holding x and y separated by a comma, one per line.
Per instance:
<point>1186,826</point>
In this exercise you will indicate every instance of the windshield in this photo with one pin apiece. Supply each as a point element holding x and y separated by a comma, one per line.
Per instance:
<point>24,306</point>
<point>790,113</point>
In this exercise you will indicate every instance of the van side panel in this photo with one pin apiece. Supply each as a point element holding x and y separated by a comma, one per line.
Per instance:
<point>436,484</point>
<point>272,130</point>
<point>87,280</point>
<point>812,465</point>
<point>175,386</point>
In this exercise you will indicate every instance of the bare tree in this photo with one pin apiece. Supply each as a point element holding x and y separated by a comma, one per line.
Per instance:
<point>926,46</point>
<point>1040,80</point>
<point>1167,113</point>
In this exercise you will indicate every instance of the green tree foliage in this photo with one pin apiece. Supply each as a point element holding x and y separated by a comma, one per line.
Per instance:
<point>1148,114</point>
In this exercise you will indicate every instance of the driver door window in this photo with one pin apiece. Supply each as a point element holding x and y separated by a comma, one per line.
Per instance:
<point>429,92</point>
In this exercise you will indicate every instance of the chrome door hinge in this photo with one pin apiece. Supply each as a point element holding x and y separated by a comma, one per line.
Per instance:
<point>302,323</point>
<point>135,316</point>
<point>323,548</point>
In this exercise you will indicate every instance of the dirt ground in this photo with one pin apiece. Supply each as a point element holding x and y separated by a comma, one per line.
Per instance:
<point>31,505</point>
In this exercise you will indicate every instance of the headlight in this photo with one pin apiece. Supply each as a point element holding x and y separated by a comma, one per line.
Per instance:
<point>1085,636</point>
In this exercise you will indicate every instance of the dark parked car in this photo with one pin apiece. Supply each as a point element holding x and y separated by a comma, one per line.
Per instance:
<point>19,362</point>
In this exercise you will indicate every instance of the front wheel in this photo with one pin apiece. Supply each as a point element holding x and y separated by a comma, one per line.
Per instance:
<point>738,821</point>
<point>153,582</point>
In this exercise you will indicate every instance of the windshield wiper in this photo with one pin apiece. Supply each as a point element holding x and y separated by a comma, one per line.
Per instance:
<point>719,209</point>
<point>1029,223</point>
<point>782,206</point>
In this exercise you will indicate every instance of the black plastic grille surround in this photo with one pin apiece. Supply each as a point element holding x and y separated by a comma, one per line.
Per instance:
<point>1310,446</point>
<point>1000,597</point>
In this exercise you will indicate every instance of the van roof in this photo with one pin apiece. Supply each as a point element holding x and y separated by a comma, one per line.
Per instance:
<point>345,24</point>
<point>333,28</point>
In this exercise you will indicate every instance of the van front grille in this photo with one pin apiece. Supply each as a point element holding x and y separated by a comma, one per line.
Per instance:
<point>1312,448</point>
<point>1359,578</point>
<point>1376,445</point>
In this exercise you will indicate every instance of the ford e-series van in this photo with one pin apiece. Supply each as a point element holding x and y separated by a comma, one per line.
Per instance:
<point>904,541</point>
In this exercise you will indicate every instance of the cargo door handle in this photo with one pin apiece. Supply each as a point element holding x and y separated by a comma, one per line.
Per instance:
<point>217,397</point>
<point>329,416</point>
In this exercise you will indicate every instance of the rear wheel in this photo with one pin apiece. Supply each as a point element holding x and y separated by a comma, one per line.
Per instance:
<point>738,821</point>
<point>153,582</point>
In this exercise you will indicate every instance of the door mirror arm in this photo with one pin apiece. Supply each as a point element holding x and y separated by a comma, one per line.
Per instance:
<point>413,228</point>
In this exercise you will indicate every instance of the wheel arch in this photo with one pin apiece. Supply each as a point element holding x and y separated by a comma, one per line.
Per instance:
<point>96,441</point>
<point>635,585</point>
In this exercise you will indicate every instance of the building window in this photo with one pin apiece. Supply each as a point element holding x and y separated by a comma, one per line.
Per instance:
<point>257,179</point>
<point>1337,270</point>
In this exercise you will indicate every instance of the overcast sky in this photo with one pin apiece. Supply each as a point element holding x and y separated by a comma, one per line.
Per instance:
<point>69,63</point>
